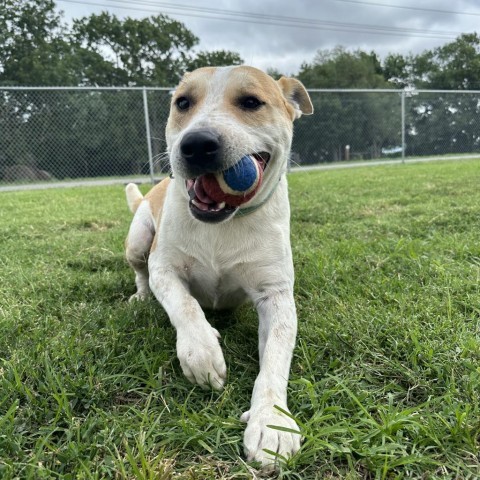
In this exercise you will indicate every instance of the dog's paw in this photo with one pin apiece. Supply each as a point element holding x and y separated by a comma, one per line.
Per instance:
<point>139,296</point>
<point>261,436</point>
<point>201,357</point>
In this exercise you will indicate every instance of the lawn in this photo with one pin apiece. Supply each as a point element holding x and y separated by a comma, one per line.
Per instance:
<point>385,378</point>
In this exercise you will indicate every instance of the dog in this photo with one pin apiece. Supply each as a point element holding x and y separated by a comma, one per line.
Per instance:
<point>194,252</point>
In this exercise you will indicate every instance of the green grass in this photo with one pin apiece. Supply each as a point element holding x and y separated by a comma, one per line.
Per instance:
<point>385,378</point>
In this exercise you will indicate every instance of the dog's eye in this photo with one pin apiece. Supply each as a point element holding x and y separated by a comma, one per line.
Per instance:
<point>251,103</point>
<point>182,103</point>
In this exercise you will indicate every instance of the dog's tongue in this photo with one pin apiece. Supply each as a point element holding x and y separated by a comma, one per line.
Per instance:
<point>200,197</point>
<point>200,192</point>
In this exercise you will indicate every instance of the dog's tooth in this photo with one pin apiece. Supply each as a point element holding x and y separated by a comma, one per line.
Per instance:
<point>221,206</point>
<point>200,205</point>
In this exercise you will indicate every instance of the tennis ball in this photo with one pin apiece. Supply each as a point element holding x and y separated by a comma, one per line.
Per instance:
<point>240,179</point>
<point>235,185</point>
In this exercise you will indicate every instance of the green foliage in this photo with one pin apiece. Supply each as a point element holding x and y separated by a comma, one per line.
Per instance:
<point>341,119</point>
<point>37,49</point>
<point>346,119</point>
<point>94,143</point>
<point>276,74</point>
<point>385,380</point>
<point>32,47</point>
<point>219,58</point>
<point>453,66</point>
<point>147,51</point>
<point>457,64</point>
<point>397,69</point>
<point>441,123</point>
<point>339,68</point>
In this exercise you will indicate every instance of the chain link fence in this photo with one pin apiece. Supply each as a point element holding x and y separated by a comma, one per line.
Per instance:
<point>60,134</point>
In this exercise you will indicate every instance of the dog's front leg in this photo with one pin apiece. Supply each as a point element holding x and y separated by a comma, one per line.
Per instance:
<point>198,349</point>
<point>277,332</point>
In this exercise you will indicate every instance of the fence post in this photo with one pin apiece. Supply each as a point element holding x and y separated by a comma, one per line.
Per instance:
<point>403,125</point>
<point>147,130</point>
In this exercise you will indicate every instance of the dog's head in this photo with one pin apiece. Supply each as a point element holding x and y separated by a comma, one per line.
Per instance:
<point>219,116</point>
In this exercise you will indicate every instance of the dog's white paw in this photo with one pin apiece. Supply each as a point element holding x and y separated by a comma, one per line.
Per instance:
<point>260,436</point>
<point>201,357</point>
<point>139,296</point>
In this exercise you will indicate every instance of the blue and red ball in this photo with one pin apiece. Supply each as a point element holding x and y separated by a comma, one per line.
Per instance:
<point>235,185</point>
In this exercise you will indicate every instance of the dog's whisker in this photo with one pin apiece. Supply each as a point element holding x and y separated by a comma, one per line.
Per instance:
<point>161,160</point>
<point>158,139</point>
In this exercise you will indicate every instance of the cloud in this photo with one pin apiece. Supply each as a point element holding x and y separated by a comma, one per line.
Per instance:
<point>264,42</point>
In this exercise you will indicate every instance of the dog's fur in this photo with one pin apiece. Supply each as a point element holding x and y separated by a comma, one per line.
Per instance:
<point>189,261</point>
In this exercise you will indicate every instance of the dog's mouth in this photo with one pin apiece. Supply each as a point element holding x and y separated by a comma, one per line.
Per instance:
<point>202,204</point>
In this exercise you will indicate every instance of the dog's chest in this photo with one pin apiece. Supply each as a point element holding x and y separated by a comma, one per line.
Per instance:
<point>215,286</point>
<point>223,265</point>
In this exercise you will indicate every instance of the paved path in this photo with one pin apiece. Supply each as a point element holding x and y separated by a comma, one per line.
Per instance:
<point>323,166</point>
<point>373,163</point>
<point>74,183</point>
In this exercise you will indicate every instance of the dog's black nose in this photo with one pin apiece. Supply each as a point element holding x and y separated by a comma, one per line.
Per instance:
<point>201,150</point>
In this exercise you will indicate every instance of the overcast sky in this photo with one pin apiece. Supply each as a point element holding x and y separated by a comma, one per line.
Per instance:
<point>282,34</point>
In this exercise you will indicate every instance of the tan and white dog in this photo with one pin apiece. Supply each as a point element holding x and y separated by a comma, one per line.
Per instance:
<point>192,252</point>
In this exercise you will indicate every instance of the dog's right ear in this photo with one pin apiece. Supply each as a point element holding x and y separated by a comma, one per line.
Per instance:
<point>296,95</point>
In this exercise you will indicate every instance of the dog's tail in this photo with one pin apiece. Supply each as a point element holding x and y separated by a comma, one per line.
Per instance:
<point>134,196</point>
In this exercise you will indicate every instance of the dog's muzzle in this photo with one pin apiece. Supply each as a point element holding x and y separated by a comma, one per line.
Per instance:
<point>201,151</point>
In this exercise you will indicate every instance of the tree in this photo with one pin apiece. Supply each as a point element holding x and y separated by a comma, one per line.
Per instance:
<point>218,58</point>
<point>148,51</point>
<point>275,73</point>
<point>397,69</point>
<point>453,66</point>
<point>342,119</point>
<point>32,49</point>
<point>37,49</point>
<point>339,68</point>
<point>441,122</point>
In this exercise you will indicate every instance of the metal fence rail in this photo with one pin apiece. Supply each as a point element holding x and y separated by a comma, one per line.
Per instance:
<point>57,134</point>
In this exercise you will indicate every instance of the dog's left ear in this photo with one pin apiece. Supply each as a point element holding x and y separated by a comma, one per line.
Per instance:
<point>296,95</point>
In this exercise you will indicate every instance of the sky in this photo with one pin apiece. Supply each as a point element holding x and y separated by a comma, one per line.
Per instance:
<point>283,34</point>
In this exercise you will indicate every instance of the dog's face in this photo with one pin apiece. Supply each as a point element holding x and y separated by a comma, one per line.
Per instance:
<point>218,116</point>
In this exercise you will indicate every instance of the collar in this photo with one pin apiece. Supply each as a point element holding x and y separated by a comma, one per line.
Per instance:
<point>242,212</point>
